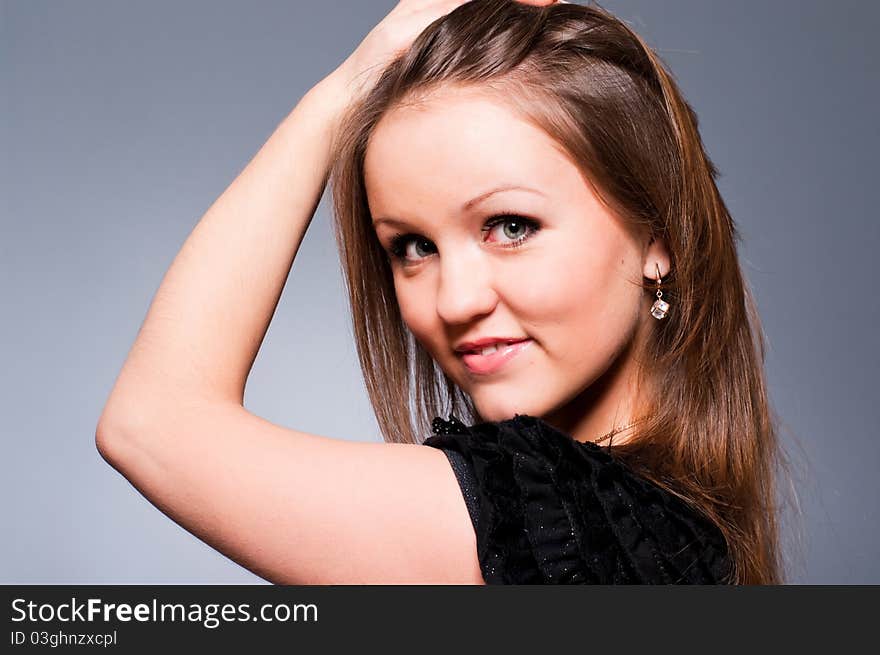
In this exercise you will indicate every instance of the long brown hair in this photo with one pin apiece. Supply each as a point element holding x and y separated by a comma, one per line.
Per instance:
<point>594,86</point>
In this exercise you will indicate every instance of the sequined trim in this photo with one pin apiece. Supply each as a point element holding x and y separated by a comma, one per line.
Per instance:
<point>452,426</point>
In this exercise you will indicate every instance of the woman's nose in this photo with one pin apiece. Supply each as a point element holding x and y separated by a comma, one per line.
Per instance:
<point>466,288</point>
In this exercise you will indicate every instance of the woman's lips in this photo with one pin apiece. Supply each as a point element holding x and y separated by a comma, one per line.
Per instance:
<point>486,364</point>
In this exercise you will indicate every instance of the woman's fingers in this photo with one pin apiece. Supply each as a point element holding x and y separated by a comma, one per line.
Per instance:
<point>393,35</point>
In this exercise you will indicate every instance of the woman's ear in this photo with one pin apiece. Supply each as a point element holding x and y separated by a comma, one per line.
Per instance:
<point>656,256</point>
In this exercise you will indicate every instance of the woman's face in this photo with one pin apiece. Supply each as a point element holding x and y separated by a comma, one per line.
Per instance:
<point>558,269</point>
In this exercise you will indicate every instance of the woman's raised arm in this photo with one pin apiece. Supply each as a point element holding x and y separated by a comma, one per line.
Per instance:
<point>290,506</point>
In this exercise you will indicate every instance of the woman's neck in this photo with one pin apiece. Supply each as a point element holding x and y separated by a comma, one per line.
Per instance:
<point>604,405</point>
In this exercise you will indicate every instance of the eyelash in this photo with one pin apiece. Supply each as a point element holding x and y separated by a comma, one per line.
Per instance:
<point>397,247</point>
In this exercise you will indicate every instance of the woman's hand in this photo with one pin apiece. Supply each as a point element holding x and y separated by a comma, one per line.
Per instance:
<point>394,34</point>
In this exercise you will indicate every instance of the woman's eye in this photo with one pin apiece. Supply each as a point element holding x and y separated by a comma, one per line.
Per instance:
<point>401,249</point>
<point>514,230</point>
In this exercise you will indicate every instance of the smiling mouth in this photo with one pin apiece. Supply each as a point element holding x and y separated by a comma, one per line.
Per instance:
<point>493,358</point>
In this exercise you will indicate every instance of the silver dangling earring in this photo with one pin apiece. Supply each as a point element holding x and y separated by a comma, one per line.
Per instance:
<point>660,307</point>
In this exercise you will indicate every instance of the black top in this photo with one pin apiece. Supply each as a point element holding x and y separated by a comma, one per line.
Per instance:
<point>547,509</point>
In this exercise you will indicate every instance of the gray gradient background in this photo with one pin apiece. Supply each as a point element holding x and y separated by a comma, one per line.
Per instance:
<point>123,122</point>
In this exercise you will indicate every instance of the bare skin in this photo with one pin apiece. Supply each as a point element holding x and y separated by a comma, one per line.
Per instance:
<point>562,270</point>
<point>329,511</point>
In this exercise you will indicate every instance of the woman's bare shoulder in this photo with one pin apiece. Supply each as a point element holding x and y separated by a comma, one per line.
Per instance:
<point>300,508</point>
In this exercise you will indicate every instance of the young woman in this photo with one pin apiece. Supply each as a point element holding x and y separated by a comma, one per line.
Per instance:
<point>533,242</point>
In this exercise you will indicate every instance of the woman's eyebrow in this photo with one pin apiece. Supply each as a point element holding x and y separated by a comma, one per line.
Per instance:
<point>473,202</point>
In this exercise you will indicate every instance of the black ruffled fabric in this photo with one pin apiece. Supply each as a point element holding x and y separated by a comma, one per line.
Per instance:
<point>551,510</point>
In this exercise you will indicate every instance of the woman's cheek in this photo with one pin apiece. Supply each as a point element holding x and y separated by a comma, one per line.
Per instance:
<point>551,288</point>
<point>419,313</point>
